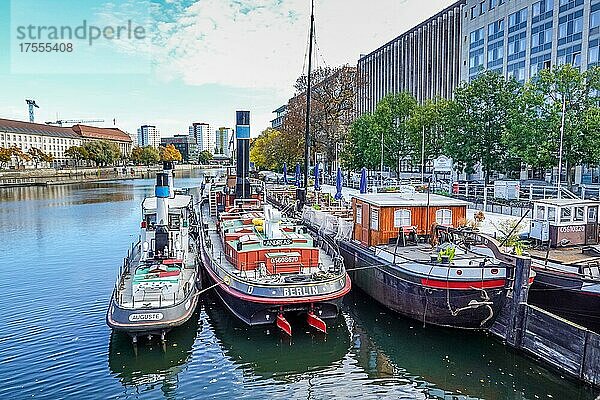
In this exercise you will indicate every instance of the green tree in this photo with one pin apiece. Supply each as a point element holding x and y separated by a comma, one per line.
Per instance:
<point>390,122</point>
<point>539,119</point>
<point>429,121</point>
<point>77,154</point>
<point>149,155</point>
<point>103,152</point>
<point>19,154</point>
<point>478,120</point>
<point>361,149</point>
<point>204,157</point>
<point>38,156</point>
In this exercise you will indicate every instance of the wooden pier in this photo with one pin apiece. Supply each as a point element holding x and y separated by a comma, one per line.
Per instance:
<point>548,338</point>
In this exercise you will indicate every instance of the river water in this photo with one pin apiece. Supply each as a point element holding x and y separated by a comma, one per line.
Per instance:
<point>60,250</point>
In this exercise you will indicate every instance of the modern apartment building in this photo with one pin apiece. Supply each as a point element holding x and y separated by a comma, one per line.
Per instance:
<point>203,135</point>
<point>424,60</point>
<point>279,115</point>
<point>185,144</point>
<point>222,137</point>
<point>148,135</point>
<point>520,37</point>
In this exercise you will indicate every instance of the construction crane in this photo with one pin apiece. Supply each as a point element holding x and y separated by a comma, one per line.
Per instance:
<point>60,122</point>
<point>31,104</point>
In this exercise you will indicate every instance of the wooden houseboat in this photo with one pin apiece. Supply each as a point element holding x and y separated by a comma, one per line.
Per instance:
<point>405,252</point>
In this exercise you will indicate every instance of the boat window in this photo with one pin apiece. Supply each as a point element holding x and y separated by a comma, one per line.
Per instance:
<point>578,214</point>
<point>358,213</point>
<point>150,221</point>
<point>443,216</point>
<point>375,218</point>
<point>402,218</point>
<point>592,214</point>
<point>565,214</point>
<point>541,211</point>
<point>552,214</point>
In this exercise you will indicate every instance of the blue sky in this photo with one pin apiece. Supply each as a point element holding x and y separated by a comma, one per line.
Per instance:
<point>200,61</point>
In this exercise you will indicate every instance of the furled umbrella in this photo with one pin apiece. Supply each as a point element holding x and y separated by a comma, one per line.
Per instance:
<point>285,180</point>
<point>338,185</point>
<point>317,186</point>
<point>298,177</point>
<point>363,180</point>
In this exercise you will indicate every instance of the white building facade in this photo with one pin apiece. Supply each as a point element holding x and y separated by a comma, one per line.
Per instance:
<point>148,135</point>
<point>203,135</point>
<point>222,137</point>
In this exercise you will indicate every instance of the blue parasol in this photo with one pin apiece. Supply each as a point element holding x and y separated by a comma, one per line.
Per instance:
<point>298,177</point>
<point>363,180</point>
<point>317,186</point>
<point>338,185</point>
<point>285,181</point>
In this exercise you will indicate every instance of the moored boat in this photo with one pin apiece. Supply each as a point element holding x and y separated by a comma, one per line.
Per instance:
<point>158,282</point>
<point>438,275</point>
<point>266,267</point>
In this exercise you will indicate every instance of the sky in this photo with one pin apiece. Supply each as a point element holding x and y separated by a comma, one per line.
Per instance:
<point>197,61</point>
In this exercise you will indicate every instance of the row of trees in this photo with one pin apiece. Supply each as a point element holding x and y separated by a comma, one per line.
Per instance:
<point>33,154</point>
<point>100,152</point>
<point>491,120</point>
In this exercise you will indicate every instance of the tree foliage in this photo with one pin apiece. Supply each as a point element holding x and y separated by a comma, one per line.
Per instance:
<point>272,148</point>
<point>430,122</point>
<point>332,110</point>
<point>19,154</point>
<point>102,152</point>
<point>146,155</point>
<point>204,157</point>
<point>77,154</point>
<point>479,119</point>
<point>5,156</point>
<point>38,156</point>
<point>169,153</point>
<point>535,133</point>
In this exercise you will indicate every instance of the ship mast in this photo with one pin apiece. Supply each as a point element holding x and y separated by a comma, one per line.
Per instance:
<point>308,87</point>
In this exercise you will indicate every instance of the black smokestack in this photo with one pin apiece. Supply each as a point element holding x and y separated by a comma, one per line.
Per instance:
<point>242,134</point>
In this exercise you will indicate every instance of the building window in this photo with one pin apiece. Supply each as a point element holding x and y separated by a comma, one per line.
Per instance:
<point>473,12</point>
<point>443,216</point>
<point>496,30</point>
<point>570,55</point>
<point>402,218</point>
<point>593,53</point>
<point>541,37</point>
<point>570,27</point>
<point>568,4</point>
<point>482,7</point>
<point>517,20</point>
<point>541,213</point>
<point>552,214</point>
<point>594,20</point>
<point>475,61</point>
<point>516,46</point>
<point>375,219</point>
<point>493,3</point>
<point>495,54</point>
<point>517,71</point>
<point>359,214</point>
<point>476,38</point>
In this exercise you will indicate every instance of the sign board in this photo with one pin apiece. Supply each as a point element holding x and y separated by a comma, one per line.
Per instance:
<point>146,317</point>
<point>442,164</point>
<point>277,242</point>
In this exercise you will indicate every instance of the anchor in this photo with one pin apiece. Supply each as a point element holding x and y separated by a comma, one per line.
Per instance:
<point>283,324</point>
<point>316,322</point>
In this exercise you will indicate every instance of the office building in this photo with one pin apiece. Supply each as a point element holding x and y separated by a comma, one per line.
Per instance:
<point>279,115</point>
<point>520,37</point>
<point>184,143</point>
<point>424,61</point>
<point>222,138</point>
<point>203,135</point>
<point>148,135</point>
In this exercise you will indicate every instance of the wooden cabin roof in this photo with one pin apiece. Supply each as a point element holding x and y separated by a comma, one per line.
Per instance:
<point>566,202</point>
<point>408,200</point>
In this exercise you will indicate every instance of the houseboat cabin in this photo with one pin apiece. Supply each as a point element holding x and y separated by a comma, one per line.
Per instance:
<point>381,217</point>
<point>565,222</point>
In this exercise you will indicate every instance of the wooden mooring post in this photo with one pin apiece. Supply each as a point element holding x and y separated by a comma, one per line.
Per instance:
<point>554,341</point>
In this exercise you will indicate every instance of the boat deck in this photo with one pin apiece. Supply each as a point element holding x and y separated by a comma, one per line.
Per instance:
<point>256,276</point>
<point>159,295</point>
<point>421,253</point>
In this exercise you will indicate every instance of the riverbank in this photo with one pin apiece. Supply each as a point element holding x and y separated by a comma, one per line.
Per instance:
<point>46,177</point>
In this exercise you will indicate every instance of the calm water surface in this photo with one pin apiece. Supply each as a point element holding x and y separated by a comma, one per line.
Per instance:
<point>60,249</point>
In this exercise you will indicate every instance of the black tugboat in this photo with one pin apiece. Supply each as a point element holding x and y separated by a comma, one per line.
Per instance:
<point>158,282</point>
<point>266,267</point>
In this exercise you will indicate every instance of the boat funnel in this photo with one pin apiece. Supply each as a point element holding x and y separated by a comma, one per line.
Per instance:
<point>169,168</point>
<point>316,322</point>
<point>162,198</point>
<point>242,135</point>
<point>283,324</point>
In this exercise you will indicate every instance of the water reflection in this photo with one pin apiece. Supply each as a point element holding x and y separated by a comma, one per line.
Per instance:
<point>149,365</point>
<point>266,353</point>
<point>448,363</point>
